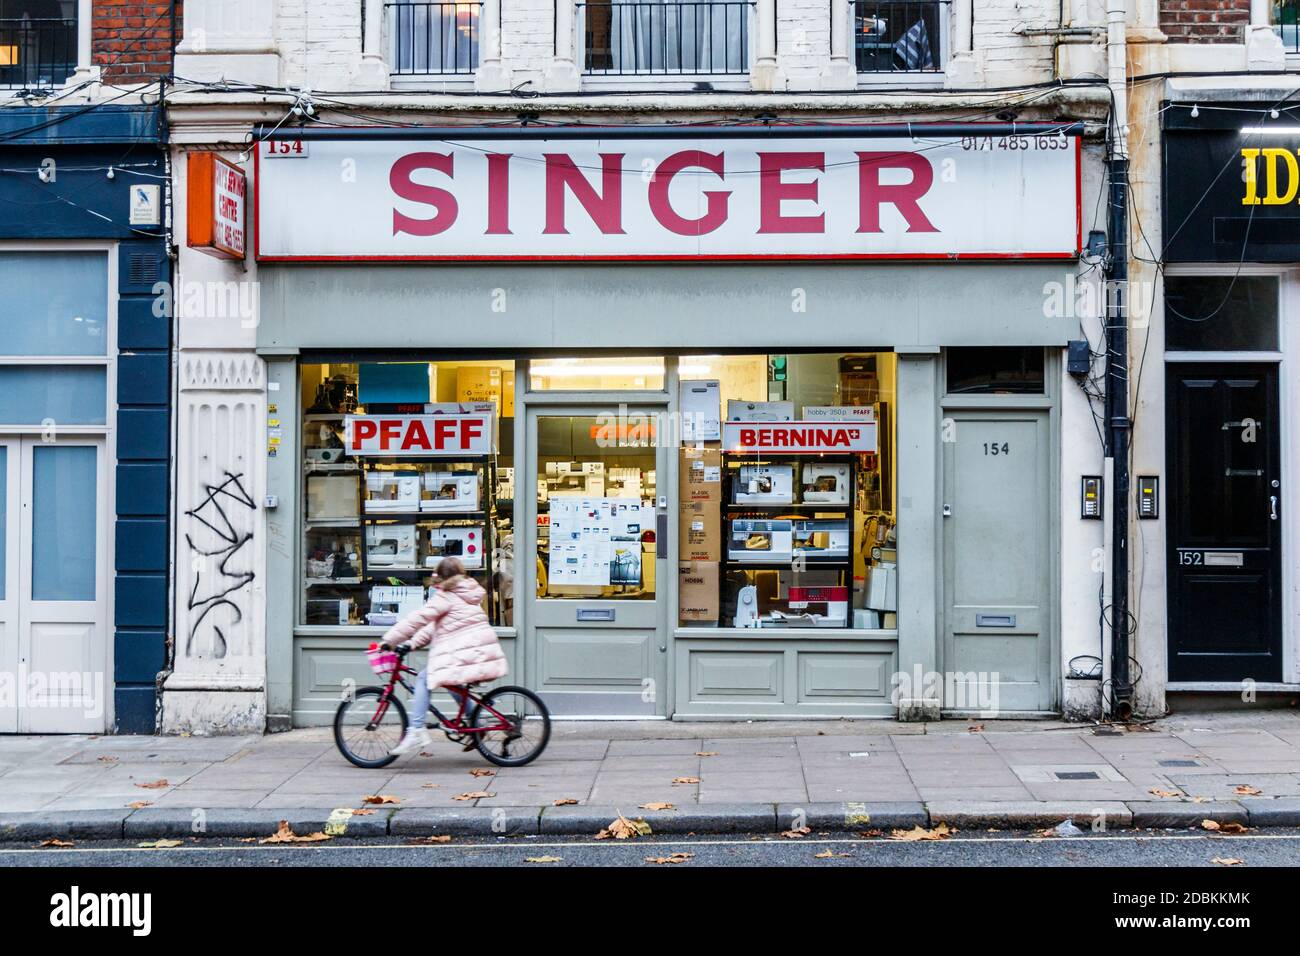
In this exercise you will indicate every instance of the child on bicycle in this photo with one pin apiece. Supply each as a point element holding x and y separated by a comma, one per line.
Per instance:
<point>465,647</point>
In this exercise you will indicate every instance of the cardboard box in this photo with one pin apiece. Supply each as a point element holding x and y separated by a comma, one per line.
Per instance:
<point>698,597</point>
<point>699,531</point>
<point>700,477</point>
<point>487,383</point>
<point>738,411</point>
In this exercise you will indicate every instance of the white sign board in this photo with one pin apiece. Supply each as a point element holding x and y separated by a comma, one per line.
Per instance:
<point>800,438</point>
<point>611,197</point>
<point>418,436</point>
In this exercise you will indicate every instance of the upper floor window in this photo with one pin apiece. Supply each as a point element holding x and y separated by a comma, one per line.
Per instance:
<point>38,42</point>
<point>899,37</point>
<point>1285,23</point>
<point>680,37</point>
<point>433,38</point>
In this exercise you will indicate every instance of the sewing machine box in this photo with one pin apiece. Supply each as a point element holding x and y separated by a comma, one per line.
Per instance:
<point>699,531</point>
<point>448,491</point>
<point>332,497</point>
<point>487,383</point>
<point>764,485</point>
<point>701,474</point>
<point>698,597</point>
<point>701,408</point>
<point>839,413</point>
<point>738,411</point>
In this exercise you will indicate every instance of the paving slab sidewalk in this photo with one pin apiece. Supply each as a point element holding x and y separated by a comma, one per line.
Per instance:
<point>706,777</point>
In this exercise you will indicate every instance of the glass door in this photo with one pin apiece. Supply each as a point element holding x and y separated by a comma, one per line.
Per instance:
<point>596,638</point>
<point>10,459</point>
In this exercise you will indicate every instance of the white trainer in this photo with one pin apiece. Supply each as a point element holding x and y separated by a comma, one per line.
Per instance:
<point>415,739</point>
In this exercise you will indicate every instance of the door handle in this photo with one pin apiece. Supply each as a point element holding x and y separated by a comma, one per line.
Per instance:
<point>1272,505</point>
<point>947,511</point>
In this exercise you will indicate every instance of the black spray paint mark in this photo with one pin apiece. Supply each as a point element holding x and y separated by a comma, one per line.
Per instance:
<point>219,497</point>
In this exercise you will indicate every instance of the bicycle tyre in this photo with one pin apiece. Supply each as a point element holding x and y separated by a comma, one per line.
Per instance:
<point>542,714</point>
<point>372,694</point>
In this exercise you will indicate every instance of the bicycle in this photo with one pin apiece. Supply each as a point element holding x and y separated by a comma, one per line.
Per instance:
<point>371,721</point>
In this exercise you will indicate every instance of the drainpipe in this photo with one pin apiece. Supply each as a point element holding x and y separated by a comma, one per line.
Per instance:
<point>1118,425</point>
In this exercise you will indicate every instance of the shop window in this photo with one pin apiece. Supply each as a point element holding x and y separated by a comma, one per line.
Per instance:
<point>1221,313</point>
<point>788,491</point>
<point>995,370</point>
<point>596,374</point>
<point>391,486</point>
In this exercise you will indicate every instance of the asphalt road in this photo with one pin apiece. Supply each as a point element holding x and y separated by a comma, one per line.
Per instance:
<point>1259,848</point>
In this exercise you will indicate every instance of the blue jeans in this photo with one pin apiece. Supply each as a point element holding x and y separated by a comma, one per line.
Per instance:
<point>420,702</point>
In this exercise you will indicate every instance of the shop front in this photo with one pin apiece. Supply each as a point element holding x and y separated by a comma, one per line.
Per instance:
<point>750,425</point>
<point>1232,247</point>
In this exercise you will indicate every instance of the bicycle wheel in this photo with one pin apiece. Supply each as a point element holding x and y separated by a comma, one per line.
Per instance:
<point>523,734</point>
<point>362,737</point>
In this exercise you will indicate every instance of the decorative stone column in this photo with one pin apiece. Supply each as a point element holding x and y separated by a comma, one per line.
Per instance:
<point>492,76</point>
<point>843,71</point>
<point>1264,49</point>
<point>218,679</point>
<point>86,70</point>
<point>961,70</point>
<point>374,72</point>
<point>562,74</point>
<point>229,39</point>
<point>763,77</point>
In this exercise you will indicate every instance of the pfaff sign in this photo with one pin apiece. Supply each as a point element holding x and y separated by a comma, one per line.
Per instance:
<point>428,436</point>
<point>627,198</point>
<point>217,206</point>
<point>799,438</point>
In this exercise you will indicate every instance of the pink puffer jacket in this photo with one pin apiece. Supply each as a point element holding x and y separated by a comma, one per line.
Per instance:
<point>465,647</point>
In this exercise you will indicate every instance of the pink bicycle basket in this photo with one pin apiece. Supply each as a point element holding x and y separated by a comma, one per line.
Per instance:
<point>382,660</point>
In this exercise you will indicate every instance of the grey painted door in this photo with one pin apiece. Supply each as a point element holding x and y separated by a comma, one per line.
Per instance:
<point>997,562</point>
<point>597,649</point>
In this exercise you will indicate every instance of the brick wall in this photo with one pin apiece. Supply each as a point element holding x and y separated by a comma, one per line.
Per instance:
<point>1204,21</point>
<point>131,39</point>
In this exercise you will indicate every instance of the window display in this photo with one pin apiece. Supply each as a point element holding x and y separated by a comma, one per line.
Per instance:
<point>787,519</point>
<point>405,464</point>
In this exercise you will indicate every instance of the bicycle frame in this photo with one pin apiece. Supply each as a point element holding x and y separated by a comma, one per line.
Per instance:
<point>455,725</point>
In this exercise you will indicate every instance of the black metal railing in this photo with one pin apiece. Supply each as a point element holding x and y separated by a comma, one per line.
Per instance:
<point>432,38</point>
<point>903,37</point>
<point>697,37</point>
<point>1286,24</point>
<point>36,53</point>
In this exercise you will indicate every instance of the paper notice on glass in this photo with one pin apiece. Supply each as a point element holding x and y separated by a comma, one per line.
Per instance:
<point>587,534</point>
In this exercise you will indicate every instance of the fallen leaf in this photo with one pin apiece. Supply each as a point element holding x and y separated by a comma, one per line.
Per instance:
<point>918,832</point>
<point>57,843</point>
<point>677,857</point>
<point>975,728</point>
<point>871,834</point>
<point>380,798</point>
<point>543,859</point>
<point>564,802</point>
<point>1227,861</point>
<point>1246,790</point>
<point>1231,828</point>
<point>706,753</point>
<point>826,855</point>
<point>139,804</point>
<point>247,839</point>
<point>286,835</point>
<point>624,829</point>
<point>1164,793</point>
<point>1048,832</point>
<point>362,813</point>
<point>481,772</point>
<point>474,795</point>
<point>159,844</point>
<point>658,806</point>
<point>108,758</point>
<point>1209,825</point>
<point>429,840</point>
<point>425,753</point>
<point>796,833</point>
<point>156,785</point>
<point>686,779</point>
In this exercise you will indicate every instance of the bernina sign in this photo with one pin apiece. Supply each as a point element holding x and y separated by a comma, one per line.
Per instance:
<point>616,197</point>
<point>799,437</point>
<point>439,436</point>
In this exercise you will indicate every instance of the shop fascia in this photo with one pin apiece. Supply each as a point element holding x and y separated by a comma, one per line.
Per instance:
<point>611,197</point>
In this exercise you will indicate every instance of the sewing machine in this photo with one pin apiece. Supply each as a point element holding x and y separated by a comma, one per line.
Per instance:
<point>764,485</point>
<point>389,604</point>
<point>747,608</point>
<point>394,491</point>
<point>816,607</point>
<point>821,538</point>
<point>463,543</point>
<point>448,491</point>
<point>764,541</point>
<point>825,484</point>
<point>390,546</point>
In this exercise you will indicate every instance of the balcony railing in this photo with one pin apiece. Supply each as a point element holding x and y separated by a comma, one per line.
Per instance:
<point>427,39</point>
<point>1286,24</point>
<point>903,37</point>
<point>690,37</point>
<point>37,53</point>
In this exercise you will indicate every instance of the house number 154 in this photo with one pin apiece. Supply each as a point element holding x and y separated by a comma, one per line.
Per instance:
<point>995,449</point>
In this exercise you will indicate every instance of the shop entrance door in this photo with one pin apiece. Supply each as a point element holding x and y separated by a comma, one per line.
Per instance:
<point>996,519</point>
<point>53,619</point>
<point>1225,529</point>
<point>596,637</point>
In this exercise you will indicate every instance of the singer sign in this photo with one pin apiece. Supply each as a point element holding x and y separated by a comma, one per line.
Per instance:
<point>688,198</point>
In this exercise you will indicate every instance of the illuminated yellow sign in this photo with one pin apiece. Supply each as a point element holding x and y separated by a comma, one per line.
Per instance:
<point>1273,156</point>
